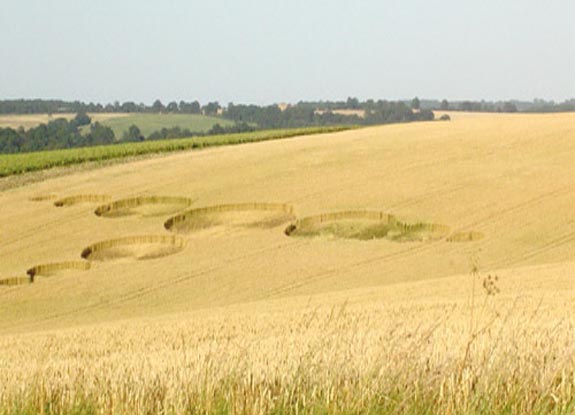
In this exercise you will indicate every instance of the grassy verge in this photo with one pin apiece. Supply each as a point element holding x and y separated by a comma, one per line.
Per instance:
<point>389,402</point>
<point>12,164</point>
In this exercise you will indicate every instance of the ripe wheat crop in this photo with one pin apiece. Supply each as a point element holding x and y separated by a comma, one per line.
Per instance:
<point>435,276</point>
<point>332,357</point>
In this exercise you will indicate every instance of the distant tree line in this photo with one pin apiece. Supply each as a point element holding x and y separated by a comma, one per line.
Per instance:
<point>37,106</point>
<point>271,116</point>
<point>540,105</point>
<point>56,134</point>
<point>385,112</point>
<point>80,132</point>
<point>535,106</point>
<point>299,111</point>
<point>308,114</point>
<point>415,104</point>
<point>478,106</point>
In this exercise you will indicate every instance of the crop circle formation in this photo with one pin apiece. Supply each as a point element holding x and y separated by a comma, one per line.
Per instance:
<point>57,268</point>
<point>366,225</point>
<point>139,248</point>
<point>14,281</point>
<point>144,206</point>
<point>248,215</point>
<point>43,197</point>
<point>79,199</point>
<point>469,236</point>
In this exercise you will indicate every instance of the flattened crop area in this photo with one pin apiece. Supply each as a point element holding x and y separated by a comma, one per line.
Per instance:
<point>248,215</point>
<point>364,225</point>
<point>136,247</point>
<point>340,211</point>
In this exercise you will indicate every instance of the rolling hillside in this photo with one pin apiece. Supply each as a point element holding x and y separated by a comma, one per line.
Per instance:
<point>511,179</point>
<point>326,254</point>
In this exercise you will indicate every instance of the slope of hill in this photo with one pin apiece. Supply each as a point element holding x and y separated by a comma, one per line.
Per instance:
<point>435,256</point>
<point>509,179</point>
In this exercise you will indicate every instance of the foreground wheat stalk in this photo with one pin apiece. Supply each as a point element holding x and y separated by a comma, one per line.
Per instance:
<point>518,358</point>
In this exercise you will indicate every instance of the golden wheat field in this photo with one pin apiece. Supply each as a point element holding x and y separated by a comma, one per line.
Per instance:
<point>415,268</point>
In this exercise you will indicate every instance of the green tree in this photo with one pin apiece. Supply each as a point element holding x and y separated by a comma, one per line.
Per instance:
<point>100,135</point>
<point>195,108</point>
<point>157,106</point>
<point>10,141</point>
<point>81,118</point>
<point>129,107</point>
<point>133,134</point>
<point>509,107</point>
<point>217,129</point>
<point>211,108</point>
<point>444,105</point>
<point>186,107</point>
<point>415,104</point>
<point>172,107</point>
<point>352,103</point>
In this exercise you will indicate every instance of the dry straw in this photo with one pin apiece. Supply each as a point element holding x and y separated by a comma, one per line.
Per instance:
<point>340,359</point>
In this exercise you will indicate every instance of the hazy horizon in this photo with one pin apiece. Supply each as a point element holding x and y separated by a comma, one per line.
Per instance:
<point>261,52</point>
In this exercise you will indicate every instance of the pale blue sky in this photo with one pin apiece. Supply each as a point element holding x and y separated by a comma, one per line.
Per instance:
<point>265,51</point>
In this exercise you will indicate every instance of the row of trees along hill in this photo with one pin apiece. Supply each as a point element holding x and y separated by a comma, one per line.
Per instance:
<point>312,114</point>
<point>535,106</point>
<point>300,114</point>
<point>38,106</point>
<point>476,106</point>
<point>80,132</point>
<point>56,134</point>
